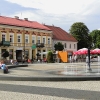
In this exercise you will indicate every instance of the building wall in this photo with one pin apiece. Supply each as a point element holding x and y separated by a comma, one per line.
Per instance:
<point>22,41</point>
<point>70,46</point>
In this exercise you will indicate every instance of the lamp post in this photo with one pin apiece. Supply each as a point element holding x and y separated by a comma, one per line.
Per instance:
<point>24,45</point>
<point>89,59</point>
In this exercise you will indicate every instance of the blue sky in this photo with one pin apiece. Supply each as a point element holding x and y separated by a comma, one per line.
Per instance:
<point>61,13</point>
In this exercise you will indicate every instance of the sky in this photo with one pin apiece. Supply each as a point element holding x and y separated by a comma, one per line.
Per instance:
<point>60,13</point>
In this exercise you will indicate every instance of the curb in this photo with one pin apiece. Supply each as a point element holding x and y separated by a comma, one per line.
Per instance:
<point>14,66</point>
<point>69,78</point>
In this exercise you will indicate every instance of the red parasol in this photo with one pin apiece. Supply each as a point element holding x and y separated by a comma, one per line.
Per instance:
<point>96,51</point>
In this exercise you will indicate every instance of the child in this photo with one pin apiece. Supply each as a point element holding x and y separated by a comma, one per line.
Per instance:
<point>4,67</point>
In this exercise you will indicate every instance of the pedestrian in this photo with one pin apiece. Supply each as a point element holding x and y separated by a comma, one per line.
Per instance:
<point>11,61</point>
<point>23,60</point>
<point>29,61</point>
<point>15,62</point>
<point>4,67</point>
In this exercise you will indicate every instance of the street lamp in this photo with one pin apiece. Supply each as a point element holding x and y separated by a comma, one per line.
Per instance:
<point>24,43</point>
<point>89,59</point>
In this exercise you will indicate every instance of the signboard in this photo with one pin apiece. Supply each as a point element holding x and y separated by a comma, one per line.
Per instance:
<point>20,48</point>
<point>34,46</point>
<point>6,43</point>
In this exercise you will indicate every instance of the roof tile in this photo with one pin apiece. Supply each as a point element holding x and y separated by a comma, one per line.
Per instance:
<point>60,34</point>
<point>22,23</point>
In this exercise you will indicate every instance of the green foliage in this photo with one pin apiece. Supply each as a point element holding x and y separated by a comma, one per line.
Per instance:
<point>5,54</point>
<point>58,46</point>
<point>80,31</point>
<point>95,35</point>
<point>50,57</point>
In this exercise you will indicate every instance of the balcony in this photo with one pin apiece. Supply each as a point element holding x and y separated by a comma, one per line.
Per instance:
<point>40,45</point>
<point>4,43</point>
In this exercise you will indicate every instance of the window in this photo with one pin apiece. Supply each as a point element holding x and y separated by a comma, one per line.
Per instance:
<point>44,40</point>
<point>38,40</point>
<point>70,46</point>
<point>48,40</point>
<point>19,38</point>
<point>11,38</point>
<point>33,40</point>
<point>39,51</point>
<point>26,39</point>
<point>74,46</point>
<point>3,37</point>
<point>65,45</point>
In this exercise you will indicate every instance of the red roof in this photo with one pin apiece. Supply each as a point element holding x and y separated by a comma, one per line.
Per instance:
<point>22,23</point>
<point>60,34</point>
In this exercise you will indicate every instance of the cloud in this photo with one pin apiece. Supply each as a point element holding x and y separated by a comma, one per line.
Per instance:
<point>62,13</point>
<point>55,6</point>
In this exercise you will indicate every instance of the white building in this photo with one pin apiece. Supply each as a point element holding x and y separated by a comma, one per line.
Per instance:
<point>59,35</point>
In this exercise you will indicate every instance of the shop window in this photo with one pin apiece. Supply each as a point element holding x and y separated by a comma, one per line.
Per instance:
<point>26,54</point>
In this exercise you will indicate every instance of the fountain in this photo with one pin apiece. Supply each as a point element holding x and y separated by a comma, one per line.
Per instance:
<point>79,70</point>
<point>75,69</point>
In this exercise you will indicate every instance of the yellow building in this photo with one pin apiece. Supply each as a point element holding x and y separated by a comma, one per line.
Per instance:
<point>23,38</point>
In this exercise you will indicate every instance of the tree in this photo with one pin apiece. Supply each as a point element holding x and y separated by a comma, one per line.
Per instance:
<point>5,54</point>
<point>50,57</point>
<point>59,46</point>
<point>80,31</point>
<point>95,35</point>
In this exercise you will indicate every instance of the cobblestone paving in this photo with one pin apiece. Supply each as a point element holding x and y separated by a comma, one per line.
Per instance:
<point>42,90</point>
<point>24,90</point>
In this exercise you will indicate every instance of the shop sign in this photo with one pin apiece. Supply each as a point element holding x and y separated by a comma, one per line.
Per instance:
<point>33,46</point>
<point>6,43</point>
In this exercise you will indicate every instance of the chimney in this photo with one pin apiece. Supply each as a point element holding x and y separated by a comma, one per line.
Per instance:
<point>26,19</point>
<point>16,17</point>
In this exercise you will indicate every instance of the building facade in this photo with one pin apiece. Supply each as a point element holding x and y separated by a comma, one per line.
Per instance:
<point>60,35</point>
<point>23,38</point>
